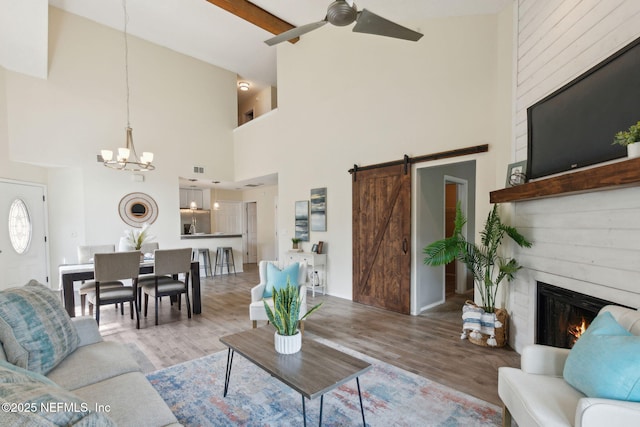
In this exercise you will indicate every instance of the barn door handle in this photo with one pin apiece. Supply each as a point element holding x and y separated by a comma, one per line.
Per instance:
<point>404,245</point>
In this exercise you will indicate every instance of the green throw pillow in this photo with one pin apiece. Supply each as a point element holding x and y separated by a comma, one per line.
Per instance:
<point>277,279</point>
<point>35,329</point>
<point>604,361</point>
<point>30,399</point>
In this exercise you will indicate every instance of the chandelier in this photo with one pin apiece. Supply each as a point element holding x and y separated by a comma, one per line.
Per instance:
<point>127,159</point>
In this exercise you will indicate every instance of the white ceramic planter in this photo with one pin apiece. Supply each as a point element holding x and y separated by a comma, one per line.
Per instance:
<point>633,150</point>
<point>288,344</point>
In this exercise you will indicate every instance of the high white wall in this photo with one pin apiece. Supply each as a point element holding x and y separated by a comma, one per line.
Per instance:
<point>8,168</point>
<point>181,109</point>
<point>588,243</point>
<point>348,99</point>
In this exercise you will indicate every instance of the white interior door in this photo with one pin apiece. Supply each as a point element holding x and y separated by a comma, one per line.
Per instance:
<point>23,230</point>
<point>252,233</point>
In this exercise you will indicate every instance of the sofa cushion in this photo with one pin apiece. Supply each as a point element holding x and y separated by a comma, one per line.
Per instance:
<point>30,399</point>
<point>603,362</point>
<point>35,329</point>
<point>132,401</point>
<point>537,400</point>
<point>277,279</point>
<point>93,363</point>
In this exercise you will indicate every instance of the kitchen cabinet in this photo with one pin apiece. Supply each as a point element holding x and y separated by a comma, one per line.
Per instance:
<point>187,195</point>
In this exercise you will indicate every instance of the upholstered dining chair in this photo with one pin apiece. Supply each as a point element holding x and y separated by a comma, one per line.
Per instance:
<point>149,248</point>
<point>110,269</point>
<point>271,275</point>
<point>169,265</point>
<point>85,256</point>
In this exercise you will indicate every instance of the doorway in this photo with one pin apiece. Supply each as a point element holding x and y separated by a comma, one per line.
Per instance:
<point>438,189</point>
<point>251,233</point>
<point>450,202</point>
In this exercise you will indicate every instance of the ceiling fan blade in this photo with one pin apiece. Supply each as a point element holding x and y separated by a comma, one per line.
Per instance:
<point>294,32</point>
<point>370,23</point>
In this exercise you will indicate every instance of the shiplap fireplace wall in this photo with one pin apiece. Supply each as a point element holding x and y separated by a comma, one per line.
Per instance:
<point>588,242</point>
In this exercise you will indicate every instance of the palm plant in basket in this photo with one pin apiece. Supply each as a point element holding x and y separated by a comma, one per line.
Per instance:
<point>489,269</point>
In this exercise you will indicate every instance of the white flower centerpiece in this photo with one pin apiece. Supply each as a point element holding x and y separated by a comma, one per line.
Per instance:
<point>137,237</point>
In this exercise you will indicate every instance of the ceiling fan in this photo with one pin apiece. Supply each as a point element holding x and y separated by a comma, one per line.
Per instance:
<point>344,12</point>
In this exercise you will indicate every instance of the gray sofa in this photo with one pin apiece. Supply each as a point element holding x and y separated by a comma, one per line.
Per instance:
<point>101,376</point>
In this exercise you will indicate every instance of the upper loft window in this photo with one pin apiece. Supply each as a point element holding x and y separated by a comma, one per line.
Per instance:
<point>20,227</point>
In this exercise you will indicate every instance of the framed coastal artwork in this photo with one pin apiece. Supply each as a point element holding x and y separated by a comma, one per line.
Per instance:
<point>302,220</point>
<point>319,209</point>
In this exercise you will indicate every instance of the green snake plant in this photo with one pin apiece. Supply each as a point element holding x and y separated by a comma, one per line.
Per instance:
<point>286,309</point>
<point>488,268</point>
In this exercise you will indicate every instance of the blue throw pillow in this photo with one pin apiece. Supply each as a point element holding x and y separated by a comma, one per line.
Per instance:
<point>277,279</point>
<point>35,329</point>
<point>604,361</point>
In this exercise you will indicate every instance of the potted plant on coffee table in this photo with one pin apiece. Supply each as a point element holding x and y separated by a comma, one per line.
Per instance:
<point>285,317</point>
<point>488,268</point>
<point>631,139</point>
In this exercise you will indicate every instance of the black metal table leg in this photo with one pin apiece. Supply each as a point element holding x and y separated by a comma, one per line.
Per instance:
<point>227,376</point>
<point>304,412</point>
<point>321,402</point>
<point>364,423</point>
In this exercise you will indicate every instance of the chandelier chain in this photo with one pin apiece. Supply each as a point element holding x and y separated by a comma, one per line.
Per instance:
<point>126,56</point>
<point>127,158</point>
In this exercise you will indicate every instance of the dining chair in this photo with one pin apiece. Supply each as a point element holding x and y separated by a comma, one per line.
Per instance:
<point>149,248</point>
<point>86,254</point>
<point>110,269</point>
<point>169,265</point>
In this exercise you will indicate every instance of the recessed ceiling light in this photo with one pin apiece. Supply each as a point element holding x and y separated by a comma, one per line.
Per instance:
<point>243,86</point>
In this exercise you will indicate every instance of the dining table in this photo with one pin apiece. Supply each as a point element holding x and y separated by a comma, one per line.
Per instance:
<point>70,273</point>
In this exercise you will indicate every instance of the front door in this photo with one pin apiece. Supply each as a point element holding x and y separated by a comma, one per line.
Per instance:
<point>382,238</point>
<point>23,247</point>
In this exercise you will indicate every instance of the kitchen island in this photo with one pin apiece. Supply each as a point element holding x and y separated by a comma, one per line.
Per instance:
<point>213,242</point>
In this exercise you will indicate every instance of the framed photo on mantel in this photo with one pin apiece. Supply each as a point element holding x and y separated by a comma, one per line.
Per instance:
<point>516,174</point>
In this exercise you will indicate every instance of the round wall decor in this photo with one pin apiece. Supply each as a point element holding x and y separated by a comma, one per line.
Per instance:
<point>137,208</point>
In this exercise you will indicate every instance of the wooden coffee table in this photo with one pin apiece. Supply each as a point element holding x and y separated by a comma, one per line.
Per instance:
<point>313,371</point>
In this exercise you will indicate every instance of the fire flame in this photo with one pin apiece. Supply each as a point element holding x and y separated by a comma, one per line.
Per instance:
<point>578,330</point>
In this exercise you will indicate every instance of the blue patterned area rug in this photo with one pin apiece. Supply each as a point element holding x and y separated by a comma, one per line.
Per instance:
<point>391,396</point>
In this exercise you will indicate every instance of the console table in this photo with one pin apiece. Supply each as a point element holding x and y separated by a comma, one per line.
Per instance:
<point>315,262</point>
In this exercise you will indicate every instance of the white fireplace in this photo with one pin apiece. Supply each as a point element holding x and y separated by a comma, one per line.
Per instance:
<point>587,243</point>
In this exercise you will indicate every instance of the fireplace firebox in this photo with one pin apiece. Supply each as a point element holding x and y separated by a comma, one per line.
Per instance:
<point>562,315</point>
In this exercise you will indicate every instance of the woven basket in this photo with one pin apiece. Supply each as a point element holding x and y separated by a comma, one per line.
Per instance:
<point>501,333</point>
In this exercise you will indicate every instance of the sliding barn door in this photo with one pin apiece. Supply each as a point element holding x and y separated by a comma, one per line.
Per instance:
<point>382,238</point>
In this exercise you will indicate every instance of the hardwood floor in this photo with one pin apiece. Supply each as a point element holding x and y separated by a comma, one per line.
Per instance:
<point>428,345</point>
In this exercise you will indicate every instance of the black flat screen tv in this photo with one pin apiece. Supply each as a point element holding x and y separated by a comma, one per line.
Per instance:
<point>574,126</point>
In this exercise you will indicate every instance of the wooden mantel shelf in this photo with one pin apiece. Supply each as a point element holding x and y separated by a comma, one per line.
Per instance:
<point>625,173</point>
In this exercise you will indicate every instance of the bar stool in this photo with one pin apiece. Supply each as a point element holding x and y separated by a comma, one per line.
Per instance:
<point>206,259</point>
<point>224,257</point>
